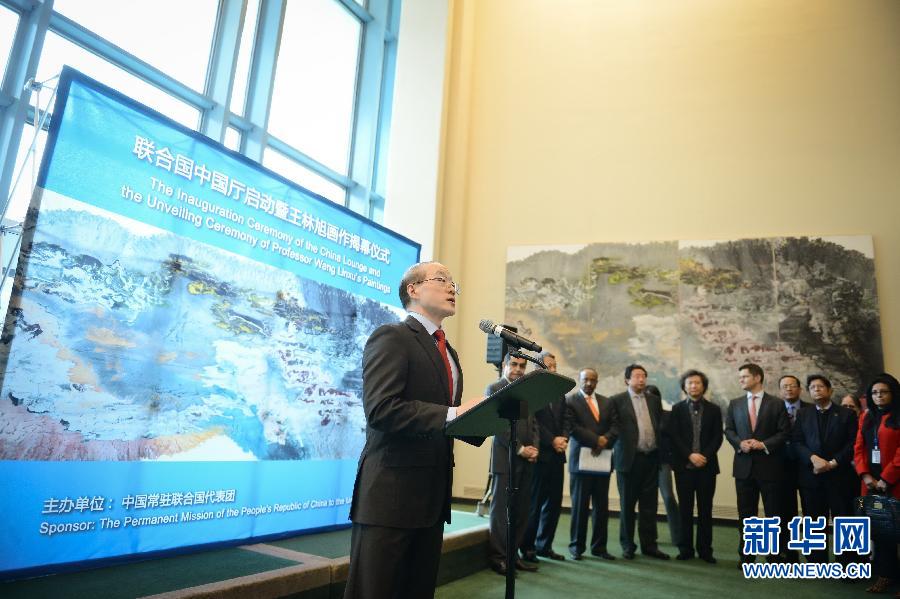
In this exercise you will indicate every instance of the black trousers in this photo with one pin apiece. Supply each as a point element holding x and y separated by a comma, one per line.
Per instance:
<point>546,504</point>
<point>788,490</point>
<point>639,486</point>
<point>699,484</point>
<point>497,545</point>
<point>749,490</point>
<point>393,563</point>
<point>590,501</point>
<point>884,560</point>
<point>831,499</point>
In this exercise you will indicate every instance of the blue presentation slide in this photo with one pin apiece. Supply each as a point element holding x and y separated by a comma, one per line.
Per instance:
<point>181,362</point>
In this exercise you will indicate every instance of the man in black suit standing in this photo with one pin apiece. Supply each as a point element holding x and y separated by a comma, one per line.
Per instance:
<point>789,388</point>
<point>636,460</point>
<point>823,440</point>
<point>547,482</point>
<point>526,456</point>
<point>695,433</point>
<point>757,426</point>
<point>590,424</point>
<point>412,384</point>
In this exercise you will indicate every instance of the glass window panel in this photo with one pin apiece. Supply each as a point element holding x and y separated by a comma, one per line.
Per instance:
<point>8,22</point>
<point>28,165</point>
<point>245,53</point>
<point>302,176</point>
<point>315,81</point>
<point>233,139</point>
<point>58,51</point>
<point>173,35</point>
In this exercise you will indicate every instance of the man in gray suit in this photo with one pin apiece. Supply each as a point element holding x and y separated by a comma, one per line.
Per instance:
<point>527,453</point>
<point>757,426</point>
<point>636,460</point>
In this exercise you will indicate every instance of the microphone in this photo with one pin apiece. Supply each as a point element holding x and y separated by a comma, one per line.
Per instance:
<point>513,339</point>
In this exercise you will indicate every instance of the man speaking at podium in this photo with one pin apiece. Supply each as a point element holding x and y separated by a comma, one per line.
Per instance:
<point>412,385</point>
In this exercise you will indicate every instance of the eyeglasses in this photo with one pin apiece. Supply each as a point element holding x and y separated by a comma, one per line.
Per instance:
<point>443,281</point>
<point>881,391</point>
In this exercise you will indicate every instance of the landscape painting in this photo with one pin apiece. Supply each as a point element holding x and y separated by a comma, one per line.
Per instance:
<point>793,305</point>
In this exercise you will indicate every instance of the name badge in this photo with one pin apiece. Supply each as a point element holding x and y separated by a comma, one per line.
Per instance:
<point>876,456</point>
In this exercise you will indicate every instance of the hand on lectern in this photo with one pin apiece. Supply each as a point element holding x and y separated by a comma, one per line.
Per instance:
<point>466,406</point>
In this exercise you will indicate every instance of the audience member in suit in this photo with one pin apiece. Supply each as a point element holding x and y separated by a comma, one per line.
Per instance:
<point>666,489</point>
<point>412,384</point>
<point>757,426</point>
<point>526,456</point>
<point>822,439</point>
<point>789,387</point>
<point>695,434</point>
<point>547,482</point>
<point>636,460</point>
<point>877,457</point>
<point>590,424</point>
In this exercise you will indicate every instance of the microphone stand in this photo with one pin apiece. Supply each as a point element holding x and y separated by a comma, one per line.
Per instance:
<point>513,412</point>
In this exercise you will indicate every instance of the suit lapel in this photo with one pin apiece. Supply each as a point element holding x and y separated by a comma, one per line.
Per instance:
<point>459,381</point>
<point>743,415</point>
<point>629,407</point>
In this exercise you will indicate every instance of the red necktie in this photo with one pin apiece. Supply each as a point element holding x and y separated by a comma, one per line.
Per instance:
<point>442,347</point>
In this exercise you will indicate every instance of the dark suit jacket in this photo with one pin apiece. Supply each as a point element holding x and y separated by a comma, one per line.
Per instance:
<point>772,428</point>
<point>405,470</point>
<point>551,423</point>
<point>837,443</point>
<point>681,435</point>
<point>583,430</point>
<point>526,434</point>
<point>626,446</point>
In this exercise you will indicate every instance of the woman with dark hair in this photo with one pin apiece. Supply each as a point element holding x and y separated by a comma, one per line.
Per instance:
<point>877,453</point>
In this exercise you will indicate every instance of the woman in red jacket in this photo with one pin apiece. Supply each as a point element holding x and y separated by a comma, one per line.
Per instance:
<point>877,457</point>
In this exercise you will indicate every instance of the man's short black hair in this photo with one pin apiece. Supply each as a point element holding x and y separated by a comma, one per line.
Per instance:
<point>817,377</point>
<point>754,369</point>
<point>508,355</point>
<point>688,374</point>
<point>631,368</point>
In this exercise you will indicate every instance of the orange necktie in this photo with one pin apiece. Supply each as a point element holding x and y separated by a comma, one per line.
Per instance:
<point>593,408</point>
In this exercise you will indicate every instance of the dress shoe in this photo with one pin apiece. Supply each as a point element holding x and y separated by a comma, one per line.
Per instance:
<point>552,555</point>
<point>881,585</point>
<point>628,554</point>
<point>656,553</point>
<point>684,555</point>
<point>709,559</point>
<point>520,565</point>
<point>604,555</point>
<point>499,568</point>
<point>575,556</point>
<point>530,556</point>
